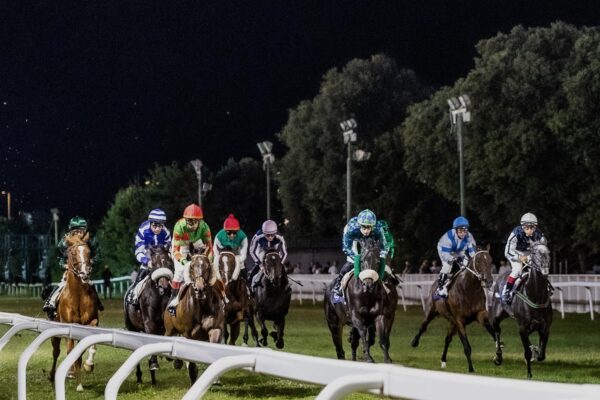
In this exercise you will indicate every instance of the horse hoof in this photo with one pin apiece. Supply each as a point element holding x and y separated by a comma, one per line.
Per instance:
<point>498,360</point>
<point>279,344</point>
<point>414,342</point>
<point>177,364</point>
<point>443,364</point>
<point>80,388</point>
<point>88,367</point>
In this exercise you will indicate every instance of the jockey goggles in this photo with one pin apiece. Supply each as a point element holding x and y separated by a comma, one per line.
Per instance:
<point>366,227</point>
<point>528,227</point>
<point>156,225</point>
<point>192,222</point>
<point>231,233</point>
<point>462,229</point>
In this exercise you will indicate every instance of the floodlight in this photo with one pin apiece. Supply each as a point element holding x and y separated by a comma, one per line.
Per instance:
<point>265,147</point>
<point>453,103</point>
<point>348,125</point>
<point>465,101</point>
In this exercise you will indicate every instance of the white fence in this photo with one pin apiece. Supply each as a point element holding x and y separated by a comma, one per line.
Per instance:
<point>119,286</point>
<point>574,293</point>
<point>339,377</point>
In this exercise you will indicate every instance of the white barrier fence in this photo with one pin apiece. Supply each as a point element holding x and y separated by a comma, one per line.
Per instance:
<point>119,285</point>
<point>339,377</point>
<point>574,293</point>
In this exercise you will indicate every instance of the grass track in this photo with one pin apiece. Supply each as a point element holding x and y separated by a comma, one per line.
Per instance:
<point>573,356</point>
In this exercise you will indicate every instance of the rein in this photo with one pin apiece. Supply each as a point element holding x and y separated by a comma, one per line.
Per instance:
<point>478,275</point>
<point>526,299</point>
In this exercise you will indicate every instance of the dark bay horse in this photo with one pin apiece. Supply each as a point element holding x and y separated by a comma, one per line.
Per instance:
<point>147,315</point>
<point>271,299</point>
<point>237,293</point>
<point>531,307</point>
<point>466,303</point>
<point>77,303</point>
<point>370,309</point>
<point>200,313</point>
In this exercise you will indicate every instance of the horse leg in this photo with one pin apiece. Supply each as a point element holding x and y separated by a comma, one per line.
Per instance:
<point>77,365</point>
<point>364,336</point>
<point>544,333</point>
<point>138,373</point>
<point>88,365</point>
<point>235,332</point>
<point>263,332</point>
<point>526,348</point>
<point>384,340</point>
<point>431,314</point>
<point>280,328</point>
<point>451,331</point>
<point>193,372</point>
<point>462,334</point>
<point>153,367</point>
<point>354,339</point>
<point>337,330</point>
<point>225,333</point>
<point>55,353</point>
<point>495,322</point>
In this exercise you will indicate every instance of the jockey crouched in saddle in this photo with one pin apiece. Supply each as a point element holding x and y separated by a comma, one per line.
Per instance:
<point>151,233</point>
<point>191,230</point>
<point>363,226</point>
<point>232,238</point>
<point>517,250</point>
<point>77,226</point>
<point>265,238</point>
<point>455,246</point>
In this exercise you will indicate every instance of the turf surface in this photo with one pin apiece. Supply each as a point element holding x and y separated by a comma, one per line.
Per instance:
<point>573,356</point>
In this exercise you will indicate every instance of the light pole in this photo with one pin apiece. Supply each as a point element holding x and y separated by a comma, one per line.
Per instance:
<point>268,159</point>
<point>348,127</point>
<point>8,201</point>
<point>459,114</point>
<point>197,164</point>
<point>54,212</point>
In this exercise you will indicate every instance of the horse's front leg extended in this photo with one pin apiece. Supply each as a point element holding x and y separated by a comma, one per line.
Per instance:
<point>55,353</point>
<point>526,348</point>
<point>462,334</point>
<point>363,331</point>
<point>544,334</point>
<point>431,314</point>
<point>354,339</point>
<point>264,332</point>
<point>280,328</point>
<point>384,340</point>
<point>77,365</point>
<point>451,331</point>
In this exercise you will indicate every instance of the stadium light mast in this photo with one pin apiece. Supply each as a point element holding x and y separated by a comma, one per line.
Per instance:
<point>459,115</point>
<point>265,149</point>
<point>8,203</point>
<point>54,212</point>
<point>197,164</point>
<point>349,134</point>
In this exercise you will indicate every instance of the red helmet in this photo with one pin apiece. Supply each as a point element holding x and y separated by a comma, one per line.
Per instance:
<point>193,211</point>
<point>231,223</point>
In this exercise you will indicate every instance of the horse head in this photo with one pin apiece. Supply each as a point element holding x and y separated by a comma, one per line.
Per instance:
<point>481,264</point>
<point>162,267</point>
<point>540,257</point>
<point>273,269</point>
<point>200,275</point>
<point>79,256</point>
<point>227,265</point>
<point>369,263</point>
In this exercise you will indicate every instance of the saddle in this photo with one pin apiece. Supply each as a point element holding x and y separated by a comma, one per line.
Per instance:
<point>363,275</point>
<point>135,291</point>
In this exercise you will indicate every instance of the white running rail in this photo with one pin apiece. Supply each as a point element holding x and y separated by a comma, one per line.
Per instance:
<point>338,377</point>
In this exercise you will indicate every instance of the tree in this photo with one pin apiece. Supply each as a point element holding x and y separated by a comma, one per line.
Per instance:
<point>311,181</point>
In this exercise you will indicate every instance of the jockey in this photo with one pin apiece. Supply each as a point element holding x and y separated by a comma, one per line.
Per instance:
<point>455,246</point>
<point>362,226</point>
<point>232,237</point>
<point>264,239</point>
<point>152,232</point>
<point>518,248</point>
<point>77,226</point>
<point>191,230</point>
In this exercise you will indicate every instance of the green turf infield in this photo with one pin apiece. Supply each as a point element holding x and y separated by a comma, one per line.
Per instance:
<point>573,356</point>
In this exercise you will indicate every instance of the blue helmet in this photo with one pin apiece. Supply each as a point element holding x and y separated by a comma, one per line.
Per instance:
<point>157,215</point>
<point>460,222</point>
<point>367,217</point>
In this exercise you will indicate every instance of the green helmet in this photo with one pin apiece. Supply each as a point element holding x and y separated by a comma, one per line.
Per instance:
<point>77,222</point>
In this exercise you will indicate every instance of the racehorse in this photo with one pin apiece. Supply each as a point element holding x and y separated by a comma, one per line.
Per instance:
<point>200,313</point>
<point>531,307</point>
<point>370,308</point>
<point>237,293</point>
<point>272,300</point>
<point>77,303</point>
<point>147,315</point>
<point>466,302</point>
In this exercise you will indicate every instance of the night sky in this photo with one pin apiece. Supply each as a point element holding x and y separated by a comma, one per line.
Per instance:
<point>92,95</point>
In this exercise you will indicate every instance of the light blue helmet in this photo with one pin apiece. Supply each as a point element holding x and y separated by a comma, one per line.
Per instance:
<point>157,215</point>
<point>460,222</point>
<point>367,217</point>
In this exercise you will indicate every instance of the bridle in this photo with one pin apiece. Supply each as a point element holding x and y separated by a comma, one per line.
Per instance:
<point>480,276</point>
<point>266,270</point>
<point>203,260</point>
<point>77,263</point>
<point>226,265</point>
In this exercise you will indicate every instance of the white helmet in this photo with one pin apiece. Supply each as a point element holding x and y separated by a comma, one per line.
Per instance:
<point>529,219</point>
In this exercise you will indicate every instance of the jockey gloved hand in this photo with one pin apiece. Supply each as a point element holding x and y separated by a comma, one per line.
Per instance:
<point>382,254</point>
<point>145,261</point>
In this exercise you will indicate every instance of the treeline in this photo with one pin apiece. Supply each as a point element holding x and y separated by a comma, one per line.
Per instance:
<point>533,145</point>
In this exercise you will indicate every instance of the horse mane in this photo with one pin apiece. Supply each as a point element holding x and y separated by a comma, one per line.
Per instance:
<point>76,239</point>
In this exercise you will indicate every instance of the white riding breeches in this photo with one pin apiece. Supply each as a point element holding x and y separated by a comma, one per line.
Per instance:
<point>517,266</point>
<point>446,268</point>
<point>182,272</point>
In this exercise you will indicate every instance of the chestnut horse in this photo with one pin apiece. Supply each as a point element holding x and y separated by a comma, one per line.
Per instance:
<point>77,303</point>
<point>237,293</point>
<point>147,315</point>
<point>531,307</point>
<point>466,302</point>
<point>200,313</point>
<point>370,309</point>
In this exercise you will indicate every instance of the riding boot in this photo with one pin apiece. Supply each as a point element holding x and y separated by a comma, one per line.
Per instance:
<point>507,293</point>
<point>50,303</point>
<point>172,301</point>
<point>337,286</point>
<point>244,274</point>
<point>131,298</point>
<point>256,281</point>
<point>442,290</point>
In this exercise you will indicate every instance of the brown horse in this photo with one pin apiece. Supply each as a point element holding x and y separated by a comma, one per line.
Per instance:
<point>370,309</point>
<point>200,313</point>
<point>147,315</point>
<point>466,303</point>
<point>77,303</point>
<point>237,293</point>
